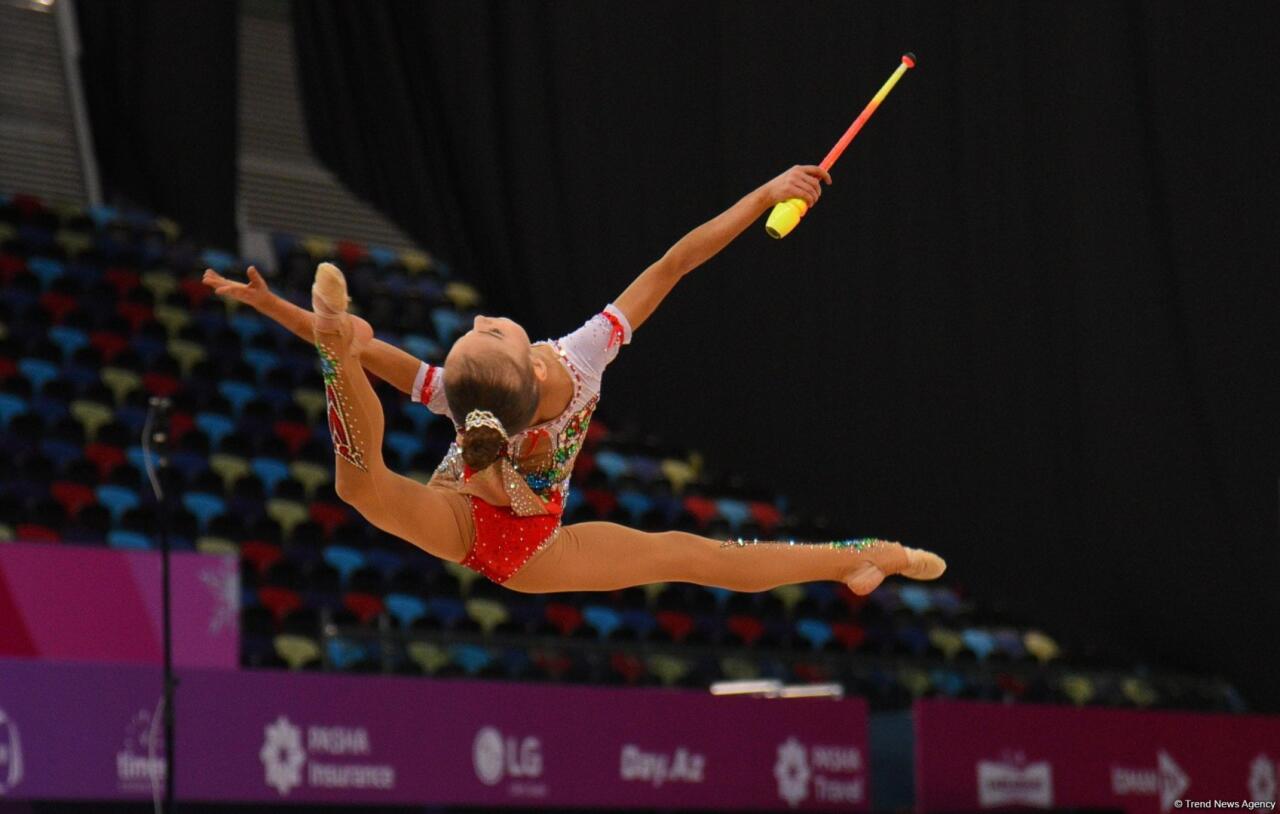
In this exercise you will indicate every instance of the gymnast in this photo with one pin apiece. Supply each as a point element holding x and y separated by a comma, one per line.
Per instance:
<point>521,411</point>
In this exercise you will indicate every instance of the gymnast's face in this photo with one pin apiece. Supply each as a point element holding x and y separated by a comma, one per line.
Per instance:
<point>489,335</point>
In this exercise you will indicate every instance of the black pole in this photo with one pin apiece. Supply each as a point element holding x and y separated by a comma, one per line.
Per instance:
<point>155,437</point>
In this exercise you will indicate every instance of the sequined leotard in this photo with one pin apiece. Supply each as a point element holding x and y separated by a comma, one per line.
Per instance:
<point>543,454</point>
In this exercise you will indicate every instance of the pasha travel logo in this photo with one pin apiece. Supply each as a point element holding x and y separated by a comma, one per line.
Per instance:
<point>1167,780</point>
<point>10,754</point>
<point>1262,779</point>
<point>660,768</point>
<point>497,758</point>
<point>1014,781</point>
<point>834,774</point>
<point>140,763</point>
<point>289,762</point>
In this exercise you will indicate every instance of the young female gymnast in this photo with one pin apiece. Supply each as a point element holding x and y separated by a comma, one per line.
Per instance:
<point>521,411</point>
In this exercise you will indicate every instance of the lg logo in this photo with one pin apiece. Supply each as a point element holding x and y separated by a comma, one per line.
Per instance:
<point>497,757</point>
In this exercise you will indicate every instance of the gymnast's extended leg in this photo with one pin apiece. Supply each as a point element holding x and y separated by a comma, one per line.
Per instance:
<point>605,556</point>
<point>432,518</point>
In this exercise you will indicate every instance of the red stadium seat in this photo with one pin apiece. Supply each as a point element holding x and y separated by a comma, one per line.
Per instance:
<point>767,515</point>
<point>366,607</point>
<point>805,671</point>
<point>280,601</point>
<point>328,516</point>
<point>702,508</point>
<point>57,305</point>
<point>123,280</point>
<point>747,628</point>
<point>849,634</point>
<point>136,313</point>
<point>604,501</point>
<point>261,554</point>
<point>36,533</point>
<point>161,384</point>
<point>676,624</point>
<point>628,666</point>
<point>72,496</point>
<point>105,457</point>
<point>108,344</point>
<point>195,291</point>
<point>293,433</point>
<point>564,617</point>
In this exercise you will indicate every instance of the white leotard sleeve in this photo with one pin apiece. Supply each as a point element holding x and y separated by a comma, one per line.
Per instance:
<point>428,389</point>
<point>593,346</point>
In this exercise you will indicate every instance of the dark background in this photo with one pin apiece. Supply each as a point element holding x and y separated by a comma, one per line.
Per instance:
<point>1031,327</point>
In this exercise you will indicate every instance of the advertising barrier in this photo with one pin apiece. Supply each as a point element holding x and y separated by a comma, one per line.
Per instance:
<point>93,604</point>
<point>90,731</point>
<point>971,756</point>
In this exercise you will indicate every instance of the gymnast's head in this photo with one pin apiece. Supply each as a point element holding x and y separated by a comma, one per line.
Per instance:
<point>492,367</point>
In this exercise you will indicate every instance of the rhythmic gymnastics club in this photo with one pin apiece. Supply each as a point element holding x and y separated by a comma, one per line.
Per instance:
<point>786,214</point>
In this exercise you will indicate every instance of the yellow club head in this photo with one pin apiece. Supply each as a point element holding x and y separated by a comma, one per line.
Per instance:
<point>784,217</point>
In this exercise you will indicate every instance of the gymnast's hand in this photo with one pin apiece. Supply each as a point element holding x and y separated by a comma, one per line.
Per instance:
<point>801,181</point>
<point>254,293</point>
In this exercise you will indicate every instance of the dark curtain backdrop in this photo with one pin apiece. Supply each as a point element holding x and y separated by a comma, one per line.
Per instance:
<point>1032,326</point>
<point>160,85</point>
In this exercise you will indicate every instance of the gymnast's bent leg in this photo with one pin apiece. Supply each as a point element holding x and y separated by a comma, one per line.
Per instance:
<point>605,556</point>
<point>433,518</point>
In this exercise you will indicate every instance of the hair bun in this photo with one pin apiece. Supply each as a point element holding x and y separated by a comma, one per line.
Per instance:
<point>481,446</point>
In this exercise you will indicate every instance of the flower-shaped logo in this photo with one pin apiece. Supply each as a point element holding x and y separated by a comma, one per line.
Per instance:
<point>792,772</point>
<point>1262,780</point>
<point>486,755</point>
<point>282,755</point>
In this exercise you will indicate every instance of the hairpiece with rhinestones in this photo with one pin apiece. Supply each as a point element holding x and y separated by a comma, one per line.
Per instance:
<point>484,418</point>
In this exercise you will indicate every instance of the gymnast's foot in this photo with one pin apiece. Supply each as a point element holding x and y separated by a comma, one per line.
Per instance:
<point>893,558</point>
<point>329,301</point>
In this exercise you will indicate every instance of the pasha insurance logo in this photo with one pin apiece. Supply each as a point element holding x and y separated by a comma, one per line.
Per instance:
<point>1167,780</point>
<point>833,773</point>
<point>10,754</point>
<point>323,760</point>
<point>497,758</point>
<point>1013,780</point>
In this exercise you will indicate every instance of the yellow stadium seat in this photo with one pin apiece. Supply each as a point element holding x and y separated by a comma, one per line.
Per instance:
<point>297,651</point>
<point>487,613</point>
<point>170,229</point>
<point>462,295</point>
<point>209,544</point>
<point>188,353</point>
<point>312,401</point>
<point>173,318</point>
<point>678,473</point>
<point>1139,692</point>
<point>91,415</point>
<point>311,475</point>
<point>73,243</point>
<point>668,669</point>
<point>320,249</point>
<point>414,261</point>
<point>1078,688</point>
<point>790,596</point>
<point>120,382</point>
<point>430,657</point>
<point>1041,646</point>
<point>6,533</point>
<point>160,283</point>
<point>653,590</point>
<point>464,575</point>
<point>739,669</point>
<point>230,468</point>
<point>946,640</point>
<point>288,513</point>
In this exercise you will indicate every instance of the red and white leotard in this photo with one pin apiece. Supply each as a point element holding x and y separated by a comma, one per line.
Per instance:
<point>543,454</point>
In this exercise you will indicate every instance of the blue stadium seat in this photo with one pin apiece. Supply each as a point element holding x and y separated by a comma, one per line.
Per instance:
<point>639,620</point>
<point>270,470</point>
<point>448,611</point>
<point>345,559</point>
<point>472,657</point>
<point>10,405</point>
<point>516,662</point>
<point>980,642</point>
<point>117,499</point>
<point>204,506</point>
<point>637,504</point>
<point>421,347</point>
<point>129,540</point>
<point>448,323</point>
<point>405,444</point>
<point>405,608</point>
<point>345,653</point>
<point>613,464</point>
<point>381,255</point>
<point>385,560</point>
<point>46,269</point>
<point>736,512</point>
<point>814,631</point>
<point>238,393</point>
<point>38,371</point>
<point>59,451</point>
<point>917,598</point>
<point>215,425</point>
<point>601,618</point>
<point>68,339</point>
<point>947,683</point>
<point>218,261</point>
<point>261,360</point>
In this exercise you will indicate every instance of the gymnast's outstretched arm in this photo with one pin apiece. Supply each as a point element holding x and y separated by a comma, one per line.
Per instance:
<point>382,359</point>
<point>642,297</point>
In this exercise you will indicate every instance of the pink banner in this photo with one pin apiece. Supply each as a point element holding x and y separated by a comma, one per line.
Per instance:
<point>971,756</point>
<point>92,604</point>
